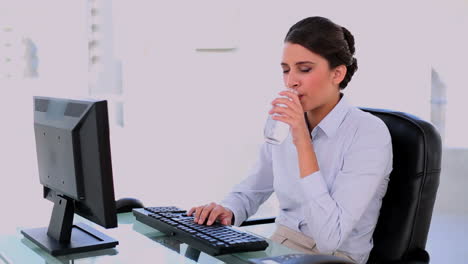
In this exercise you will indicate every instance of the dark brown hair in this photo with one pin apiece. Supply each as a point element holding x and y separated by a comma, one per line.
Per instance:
<point>327,39</point>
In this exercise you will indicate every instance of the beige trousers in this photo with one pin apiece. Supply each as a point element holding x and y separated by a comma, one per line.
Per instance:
<point>295,240</point>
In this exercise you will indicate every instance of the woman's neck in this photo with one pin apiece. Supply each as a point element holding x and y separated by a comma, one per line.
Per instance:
<point>316,115</point>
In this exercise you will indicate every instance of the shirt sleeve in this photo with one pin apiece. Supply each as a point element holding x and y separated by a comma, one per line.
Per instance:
<point>246,197</point>
<point>332,214</point>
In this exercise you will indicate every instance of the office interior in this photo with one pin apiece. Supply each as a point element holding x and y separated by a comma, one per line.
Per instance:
<point>189,85</point>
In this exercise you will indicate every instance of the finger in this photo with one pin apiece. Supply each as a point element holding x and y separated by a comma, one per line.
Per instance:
<point>226,220</point>
<point>286,120</point>
<point>294,97</point>
<point>198,211</point>
<point>190,212</point>
<point>205,212</point>
<point>288,103</point>
<point>291,95</point>
<point>214,215</point>
<point>285,112</point>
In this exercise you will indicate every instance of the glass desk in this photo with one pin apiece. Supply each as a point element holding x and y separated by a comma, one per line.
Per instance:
<point>138,243</point>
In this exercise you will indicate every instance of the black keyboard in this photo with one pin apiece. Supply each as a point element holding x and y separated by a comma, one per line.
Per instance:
<point>215,240</point>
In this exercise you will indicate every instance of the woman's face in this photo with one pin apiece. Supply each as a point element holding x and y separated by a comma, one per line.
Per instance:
<point>309,74</point>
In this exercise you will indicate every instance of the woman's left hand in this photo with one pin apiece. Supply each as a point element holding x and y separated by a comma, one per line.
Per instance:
<point>293,115</point>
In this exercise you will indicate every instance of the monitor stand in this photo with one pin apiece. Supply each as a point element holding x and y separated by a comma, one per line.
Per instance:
<point>62,237</point>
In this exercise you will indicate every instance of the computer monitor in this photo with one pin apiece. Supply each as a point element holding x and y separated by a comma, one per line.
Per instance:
<point>75,169</point>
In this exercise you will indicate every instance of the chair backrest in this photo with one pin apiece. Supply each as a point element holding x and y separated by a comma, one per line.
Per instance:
<point>406,212</point>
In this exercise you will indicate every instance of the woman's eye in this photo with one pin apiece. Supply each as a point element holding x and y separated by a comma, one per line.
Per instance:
<point>285,71</point>
<point>305,70</point>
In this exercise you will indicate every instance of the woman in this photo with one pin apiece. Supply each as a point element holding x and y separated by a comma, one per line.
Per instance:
<point>331,173</point>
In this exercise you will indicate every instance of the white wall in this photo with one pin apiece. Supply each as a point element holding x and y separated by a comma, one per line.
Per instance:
<point>198,117</point>
<point>194,120</point>
<point>58,30</point>
<point>449,39</point>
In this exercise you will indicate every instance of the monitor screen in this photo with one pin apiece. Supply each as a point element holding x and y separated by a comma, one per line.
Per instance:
<point>75,169</point>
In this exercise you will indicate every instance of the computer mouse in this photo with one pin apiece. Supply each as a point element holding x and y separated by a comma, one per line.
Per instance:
<point>126,204</point>
<point>301,259</point>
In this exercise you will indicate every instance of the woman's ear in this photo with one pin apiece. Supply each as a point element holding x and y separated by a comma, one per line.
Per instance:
<point>339,74</point>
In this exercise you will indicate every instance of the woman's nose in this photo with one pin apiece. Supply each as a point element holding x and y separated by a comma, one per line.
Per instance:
<point>291,82</point>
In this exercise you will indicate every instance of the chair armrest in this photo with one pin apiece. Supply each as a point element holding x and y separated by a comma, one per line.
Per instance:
<point>258,221</point>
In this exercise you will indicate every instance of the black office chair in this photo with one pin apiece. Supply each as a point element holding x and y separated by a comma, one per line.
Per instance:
<point>401,232</point>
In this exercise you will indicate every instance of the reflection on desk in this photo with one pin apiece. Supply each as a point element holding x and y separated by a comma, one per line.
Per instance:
<point>4,259</point>
<point>137,242</point>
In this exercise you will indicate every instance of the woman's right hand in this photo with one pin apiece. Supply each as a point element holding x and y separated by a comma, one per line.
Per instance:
<point>211,212</point>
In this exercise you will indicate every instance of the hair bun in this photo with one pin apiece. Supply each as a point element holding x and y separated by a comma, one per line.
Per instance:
<point>350,39</point>
<point>351,69</point>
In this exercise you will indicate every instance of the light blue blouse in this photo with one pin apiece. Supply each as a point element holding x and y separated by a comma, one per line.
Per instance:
<point>338,206</point>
